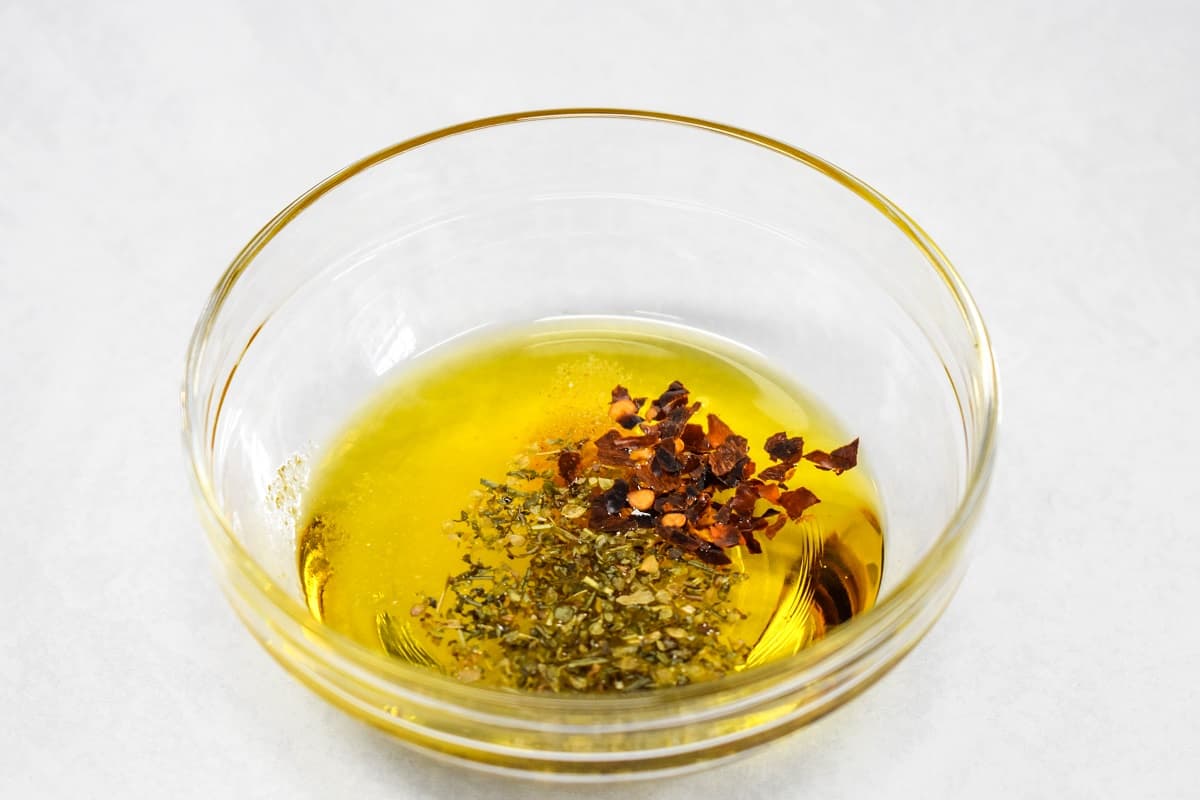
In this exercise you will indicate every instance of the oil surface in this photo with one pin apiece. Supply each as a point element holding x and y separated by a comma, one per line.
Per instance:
<point>374,537</point>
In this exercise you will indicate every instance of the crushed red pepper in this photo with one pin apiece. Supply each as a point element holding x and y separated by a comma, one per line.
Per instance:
<point>569,462</point>
<point>698,489</point>
<point>839,460</point>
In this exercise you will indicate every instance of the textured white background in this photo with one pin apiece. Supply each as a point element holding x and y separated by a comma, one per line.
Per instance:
<point>1053,149</point>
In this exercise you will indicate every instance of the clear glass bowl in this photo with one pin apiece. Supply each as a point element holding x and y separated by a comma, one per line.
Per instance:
<point>590,212</point>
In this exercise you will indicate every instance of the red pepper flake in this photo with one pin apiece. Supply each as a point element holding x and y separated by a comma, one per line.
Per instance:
<point>840,460</point>
<point>615,450</point>
<point>718,431</point>
<point>670,477</point>
<point>676,395</point>
<point>665,459</point>
<point>751,543</point>
<point>609,454</point>
<point>689,542</point>
<point>744,498</point>
<point>675,421</point>
<point>796,501</point>
<point>610,511</point>
<point>673,501</point>
<point>693,438</point>
<point>766,515</point>
<point>705,514</point>
<point>780,448</point>
<point>773,529</point>
<point>777,472</point>
<point>568,465</point>
<point>645,477</point>
<point>623,406</point>
<point>729,454</point>
<point>722,535</point>
<point>711,554</point>
<point>695,470</point>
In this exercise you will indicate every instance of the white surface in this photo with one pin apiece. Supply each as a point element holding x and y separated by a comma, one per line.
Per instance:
<point>1051,148</point>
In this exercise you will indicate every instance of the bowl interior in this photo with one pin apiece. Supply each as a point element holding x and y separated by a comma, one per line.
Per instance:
<point>586,215</point>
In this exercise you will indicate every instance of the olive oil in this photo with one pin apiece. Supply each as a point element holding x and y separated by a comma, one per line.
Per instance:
<point>385,537</point>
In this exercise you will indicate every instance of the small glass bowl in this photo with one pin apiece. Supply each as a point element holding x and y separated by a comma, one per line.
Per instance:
<point>589,212</point>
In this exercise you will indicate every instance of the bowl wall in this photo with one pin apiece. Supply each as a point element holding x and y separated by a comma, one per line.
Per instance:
<point>561,214</point>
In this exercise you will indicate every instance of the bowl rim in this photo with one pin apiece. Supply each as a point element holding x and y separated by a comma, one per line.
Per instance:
<point>813,663</point>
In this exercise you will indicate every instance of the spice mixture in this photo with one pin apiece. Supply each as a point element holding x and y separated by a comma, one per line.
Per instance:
<point>639,543</point>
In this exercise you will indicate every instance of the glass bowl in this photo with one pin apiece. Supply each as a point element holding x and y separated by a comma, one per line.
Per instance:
<point>607,212</point>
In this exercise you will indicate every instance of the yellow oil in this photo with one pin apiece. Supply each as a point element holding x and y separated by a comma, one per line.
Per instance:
<point>374,535</point>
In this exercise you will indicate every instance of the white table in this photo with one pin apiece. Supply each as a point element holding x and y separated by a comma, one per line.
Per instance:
<point>1051,148</point>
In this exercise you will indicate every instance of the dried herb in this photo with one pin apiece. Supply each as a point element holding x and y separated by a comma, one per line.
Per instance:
<point>572,608</point>
<point>608,569</point>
